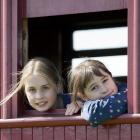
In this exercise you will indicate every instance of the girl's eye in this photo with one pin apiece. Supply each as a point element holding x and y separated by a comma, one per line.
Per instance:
<point>32,90</point>
<point>45,88</point>
<point>105,80</point>
<point>94,88</point>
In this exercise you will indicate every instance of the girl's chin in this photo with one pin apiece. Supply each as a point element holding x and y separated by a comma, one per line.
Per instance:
<point>42,109</point>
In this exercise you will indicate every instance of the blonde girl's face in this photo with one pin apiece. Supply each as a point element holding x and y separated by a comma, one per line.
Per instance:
<point>100,87</point>
<point>40,94</point>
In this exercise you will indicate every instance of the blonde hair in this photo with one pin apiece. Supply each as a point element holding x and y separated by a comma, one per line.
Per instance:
<point>79,76</point>
<point>40,66</point>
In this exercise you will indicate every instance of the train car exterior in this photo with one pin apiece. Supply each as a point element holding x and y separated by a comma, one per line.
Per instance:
<point>13,40</point>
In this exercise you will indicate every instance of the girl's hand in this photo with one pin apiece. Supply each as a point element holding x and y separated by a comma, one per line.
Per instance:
<point>73,108</point>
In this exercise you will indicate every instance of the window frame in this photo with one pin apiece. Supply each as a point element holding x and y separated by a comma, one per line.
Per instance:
<point>66,40</point>
<point>132,54</point>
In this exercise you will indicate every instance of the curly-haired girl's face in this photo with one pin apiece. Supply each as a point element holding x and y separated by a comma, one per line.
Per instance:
<point>40,94</point>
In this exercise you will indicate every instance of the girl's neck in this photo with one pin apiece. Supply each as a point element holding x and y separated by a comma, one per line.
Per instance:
<point>59,103</point>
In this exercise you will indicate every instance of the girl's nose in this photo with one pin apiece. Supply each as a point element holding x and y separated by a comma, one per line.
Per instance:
<point>38,95</point>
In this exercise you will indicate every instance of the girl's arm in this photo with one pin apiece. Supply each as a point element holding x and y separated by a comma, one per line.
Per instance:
<point>98,111</point>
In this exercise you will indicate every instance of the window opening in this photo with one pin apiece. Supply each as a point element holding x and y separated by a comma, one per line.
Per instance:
<point>101,39</point>
<point>52,38</point>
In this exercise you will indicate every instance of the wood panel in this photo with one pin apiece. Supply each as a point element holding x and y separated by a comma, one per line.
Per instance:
<point>81,133</point>
<point>27,134</point>
<point>37,133</point>
<point>5,57</point>
<point>48,133</point>
<point>114,132</point>
<point>5,134</point>
<point>126,3</point>
<point>70,133</point>
<point>40,8</point>
<point>14,53</point>
<point>133,56</point>
<point>103,132</point>
<point>0,49</point>
<point>92,133</point>
<point>125,132</point>
<point>10,33</point>
<point>136,132</point>
<point>9,40</point>
<point>16,134</point>
<point>59,133</point>
<point>137,43</point>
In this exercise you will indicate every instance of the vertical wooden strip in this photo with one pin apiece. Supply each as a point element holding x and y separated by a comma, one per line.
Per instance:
<point>133,56</point>
<point>91,133</point>
<point>6,42</point>
<point>16,134</point>
<point>137,45</point>
<point>81,133</point>
<point>70,133</point>
<point>102,132</point>
<point>27,134</point>
<point>37,133</point>
<point>5,134</point>
<point>23,8</point>
<point>59,133</point>
<point>125,132</point>
<point>18,13</point>
<point>14,53</point>
<point>114,132</point>
<point>135,131</point>
<point>125,3</point>
<point>0,50</point>
<point>47,133</point>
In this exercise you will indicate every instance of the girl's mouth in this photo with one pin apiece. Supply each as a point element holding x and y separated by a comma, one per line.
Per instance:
<point>41,103</point>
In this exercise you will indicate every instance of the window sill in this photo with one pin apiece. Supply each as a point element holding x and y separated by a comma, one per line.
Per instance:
<point>51,112</point>
<point>63,121</point>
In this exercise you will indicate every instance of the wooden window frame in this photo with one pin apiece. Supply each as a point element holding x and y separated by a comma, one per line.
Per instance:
<point>12,13</point>
<point>72,25</point>
<point>10,110</point>
<point>133,56</point>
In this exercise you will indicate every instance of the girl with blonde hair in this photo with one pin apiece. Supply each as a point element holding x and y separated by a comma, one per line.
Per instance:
<point>42,85</point>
